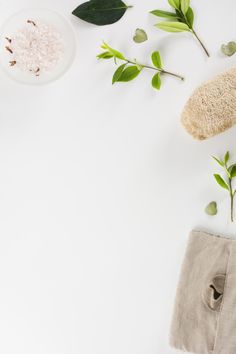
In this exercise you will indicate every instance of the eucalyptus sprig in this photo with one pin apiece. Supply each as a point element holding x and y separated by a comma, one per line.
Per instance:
<point>230,171</point>
<point>180,20</point>
<point>130,69</point>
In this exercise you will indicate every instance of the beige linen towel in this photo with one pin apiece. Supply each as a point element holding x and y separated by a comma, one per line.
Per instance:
<point>204,319</point>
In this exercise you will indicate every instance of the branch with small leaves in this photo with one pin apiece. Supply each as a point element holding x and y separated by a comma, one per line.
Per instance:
<point>230,171</point>
<point>179,21</point>
<point>131,68</point>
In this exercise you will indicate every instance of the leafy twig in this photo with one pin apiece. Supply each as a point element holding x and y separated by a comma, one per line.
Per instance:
<point>230,172</point>
<point>179,21</point>
<point>131,68</point>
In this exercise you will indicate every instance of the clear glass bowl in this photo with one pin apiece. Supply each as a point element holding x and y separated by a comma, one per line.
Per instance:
<point>16,22</point>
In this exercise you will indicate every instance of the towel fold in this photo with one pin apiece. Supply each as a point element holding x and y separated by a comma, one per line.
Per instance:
<point>204,319</point>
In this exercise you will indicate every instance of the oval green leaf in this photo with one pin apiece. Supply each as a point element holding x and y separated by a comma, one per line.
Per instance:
<point>226,157</point>
<point>185,6</point>
<point>172,26</point>
<point>233,171</point>
<point>105,55</point>
<point>228,49</point>
<point>164,14</point>
<point>101,13</point>
<point>174,3</point>
<point>211,209</point>
<point>118,73</point>
<point>156,81</point>
<point>221,163</point>
<point>140,36</point>
<point>129,74</point>
<point>190,17</point>
<point>221,182</point>
<point>156,60</point>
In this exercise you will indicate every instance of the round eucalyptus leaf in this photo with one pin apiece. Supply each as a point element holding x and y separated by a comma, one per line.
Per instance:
<point>211,209</point>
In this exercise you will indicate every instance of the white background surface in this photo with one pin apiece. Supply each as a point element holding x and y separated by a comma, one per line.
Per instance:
<point>100,186</point>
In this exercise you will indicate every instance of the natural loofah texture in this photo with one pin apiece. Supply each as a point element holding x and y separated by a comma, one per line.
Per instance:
<point>212,107</point>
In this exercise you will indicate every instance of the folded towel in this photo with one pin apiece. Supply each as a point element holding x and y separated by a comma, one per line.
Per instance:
<point>204,319</point>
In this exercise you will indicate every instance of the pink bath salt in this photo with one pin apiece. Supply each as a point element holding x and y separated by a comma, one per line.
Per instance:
<point>36,47</point>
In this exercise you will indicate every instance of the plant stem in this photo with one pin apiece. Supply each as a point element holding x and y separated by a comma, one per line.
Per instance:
<point>231,200</point>
<point>162,71</point>
<point>201,43</point>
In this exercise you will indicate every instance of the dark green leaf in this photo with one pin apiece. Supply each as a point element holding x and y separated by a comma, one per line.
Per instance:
<point>174,3</point>
<point>228,49</point>
<point>156,81</point>
<point>118,73</point>
<point>164,14</point>
<point>172,26</point>
<point>129,74</point>
<point>114,52</point>
<point>190,17</point>
<point>184,6</point>
<point>101,13</point>
<point>221,182</point>
<point>105,55</point>
<point>233,171</point>
<point>211,209</point>
<point>140,36</point>
<point>156,60</point>
<point>221,163</point>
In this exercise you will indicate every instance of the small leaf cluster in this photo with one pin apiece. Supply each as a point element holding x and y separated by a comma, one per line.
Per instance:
<point>131,68</point>
<point>226,183</point>
<point>178,21</point>
<point>229,49</point>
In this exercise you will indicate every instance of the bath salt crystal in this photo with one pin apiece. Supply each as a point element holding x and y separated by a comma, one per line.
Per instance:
<point>36,47</point>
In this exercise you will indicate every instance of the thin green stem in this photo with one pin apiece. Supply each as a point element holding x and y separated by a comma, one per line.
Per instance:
<point>201,43</point>
<point>162,71</point>
<point>231,200</point>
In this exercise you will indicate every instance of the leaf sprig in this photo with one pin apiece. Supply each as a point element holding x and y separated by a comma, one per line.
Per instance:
<point>131,68</point>
<point>180,20</point>
<point>230,171</point>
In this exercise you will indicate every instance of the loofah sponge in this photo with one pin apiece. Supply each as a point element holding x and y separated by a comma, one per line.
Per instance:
<point>212,107</point>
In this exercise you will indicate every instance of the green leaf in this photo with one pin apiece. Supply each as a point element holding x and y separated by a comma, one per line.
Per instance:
<point>105,55</point>
<point>221,182</point>
<point>185,6</point>
<point>164,14</point>
<point>118,73</point>
<point>174,3</point>
<point>226,157</point>
<point>211,209</point>
<point>101,13</point>
<point>221,163</point>
<point>156,81</point>
<point>228,49</point>
<point>172,26</point>
<point>140,36</point>
<point>156,60</point>
<point>114,52</point>
<point>232,171</point>
<point>129,74</point>
<point>190,17</point>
